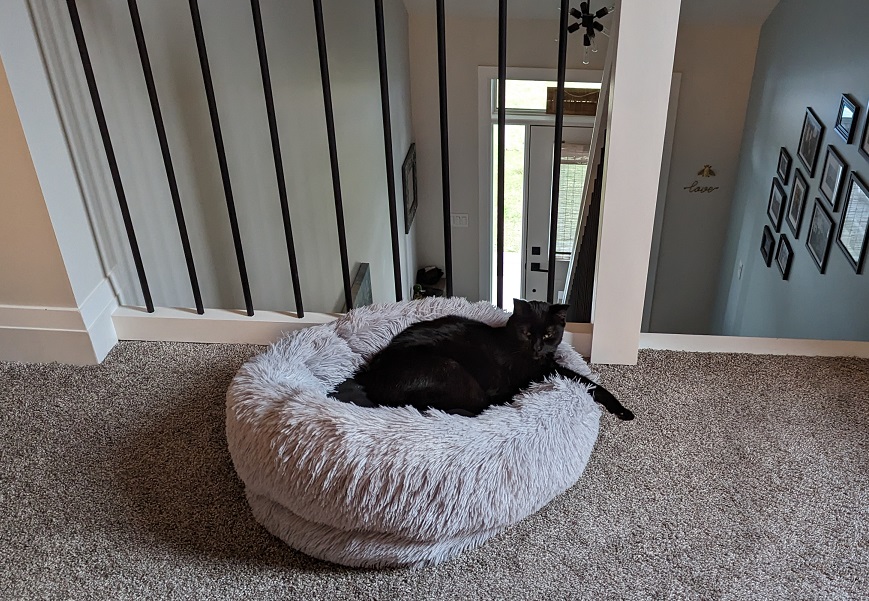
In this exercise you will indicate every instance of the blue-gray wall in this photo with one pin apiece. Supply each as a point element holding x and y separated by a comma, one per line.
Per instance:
<point>809,54</point>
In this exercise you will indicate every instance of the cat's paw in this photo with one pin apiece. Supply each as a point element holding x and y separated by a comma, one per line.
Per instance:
<point>624,414</point>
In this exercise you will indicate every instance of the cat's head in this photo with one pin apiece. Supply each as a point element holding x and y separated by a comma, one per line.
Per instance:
<point>537,326</point>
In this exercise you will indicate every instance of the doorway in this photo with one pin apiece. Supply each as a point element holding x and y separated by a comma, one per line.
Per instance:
<point>527,202</point>
<point>529,142</point>
<point>535,245</point>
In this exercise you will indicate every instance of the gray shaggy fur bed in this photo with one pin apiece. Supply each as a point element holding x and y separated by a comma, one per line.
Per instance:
<point>392,486</point>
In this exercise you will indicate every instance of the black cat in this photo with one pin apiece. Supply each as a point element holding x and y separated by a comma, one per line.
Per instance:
<point>463,366</point>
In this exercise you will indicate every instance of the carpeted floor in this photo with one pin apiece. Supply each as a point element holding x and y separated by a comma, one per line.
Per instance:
<point>742,477</point>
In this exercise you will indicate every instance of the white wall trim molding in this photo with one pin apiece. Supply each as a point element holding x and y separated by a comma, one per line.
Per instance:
<point>81,336</point>
<point>755,346</point>
<point>33,345</point>
<point>224,326</point>
<point>99,302</point>
<point>62,64</point>
<point>579,335</point>
<point>214,326</point>
<point>41,318</point>
<point>264,327</point>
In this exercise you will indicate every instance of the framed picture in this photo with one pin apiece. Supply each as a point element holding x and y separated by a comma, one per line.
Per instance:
<point>766,245</point>
<point>784,165</point>
<point>846,118</point>
<point>783,256</point>
<point>864,139</point>
<point>777,200</point>
<point>799,193</point>
<point>832,176</point>
<point>810,141</point>
<point>855,223</point>
<point>408,182</point>
<point>820,235</point>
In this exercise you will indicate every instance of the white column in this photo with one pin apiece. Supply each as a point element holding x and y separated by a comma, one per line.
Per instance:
<point>643,70</point>
<point>68,320</point>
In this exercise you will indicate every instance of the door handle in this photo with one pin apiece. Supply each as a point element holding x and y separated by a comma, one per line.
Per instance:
<point>536,267</point>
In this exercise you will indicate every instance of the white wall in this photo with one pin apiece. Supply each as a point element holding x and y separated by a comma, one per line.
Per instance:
<point>716,63</point>
<point>228,29</point>
<point>470,43</point>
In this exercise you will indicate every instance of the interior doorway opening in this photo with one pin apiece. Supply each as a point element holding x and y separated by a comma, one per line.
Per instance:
<point>529,145</point>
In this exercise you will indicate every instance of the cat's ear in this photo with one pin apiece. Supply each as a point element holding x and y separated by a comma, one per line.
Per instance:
<point>559,312</point>
<point>521,307</point>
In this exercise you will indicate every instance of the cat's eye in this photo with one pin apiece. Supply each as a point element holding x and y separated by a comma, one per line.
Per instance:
<point>549,337</point>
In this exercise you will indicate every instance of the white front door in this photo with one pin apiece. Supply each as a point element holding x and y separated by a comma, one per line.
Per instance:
<point>575,144</point>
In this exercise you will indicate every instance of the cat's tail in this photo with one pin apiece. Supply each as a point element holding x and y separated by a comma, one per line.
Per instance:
<point>351,391</point>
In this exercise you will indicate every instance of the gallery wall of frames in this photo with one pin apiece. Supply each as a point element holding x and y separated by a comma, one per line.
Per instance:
<point>836,218</point>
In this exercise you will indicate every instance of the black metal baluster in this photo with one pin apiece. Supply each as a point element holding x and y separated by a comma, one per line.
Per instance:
<point>276,151</point>
<point>164,149</point>
<point>221,152</point>
<point>333,149</point>
<point>387,144</point>
<point>556,157</point>
<point>502,128</point>
<point>110,152</point>
<point>445,146</point>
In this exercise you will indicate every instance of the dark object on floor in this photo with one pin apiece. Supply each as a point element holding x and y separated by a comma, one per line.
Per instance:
<point>429,276</point>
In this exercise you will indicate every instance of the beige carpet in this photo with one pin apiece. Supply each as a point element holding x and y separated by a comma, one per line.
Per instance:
<point>742,477</point>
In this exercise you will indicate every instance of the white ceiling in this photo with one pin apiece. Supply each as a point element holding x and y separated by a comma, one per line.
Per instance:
<point>693,11</point>
<point>744,12</point>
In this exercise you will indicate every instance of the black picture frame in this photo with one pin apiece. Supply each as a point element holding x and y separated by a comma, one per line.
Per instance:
<point>854,223</point>
<point>778,200</point>
<point>863,147</point>
<point>408,184</point>
<point>797,206</point>
<point>784,165</point>
<point>846,118</point>
<point>832,177</point>
<point>810,141</point>
<point>784,255</point>
<point>820,235</point>
<point>767,243</point>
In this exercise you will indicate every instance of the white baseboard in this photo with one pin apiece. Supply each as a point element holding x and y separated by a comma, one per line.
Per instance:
<point>78,335</point>
<point>578,335</point>
<point>214,326</point>
<point>225,326</point>
<point>755,346</point>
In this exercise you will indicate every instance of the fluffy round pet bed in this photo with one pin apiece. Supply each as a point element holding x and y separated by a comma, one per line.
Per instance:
<point>391,486</point>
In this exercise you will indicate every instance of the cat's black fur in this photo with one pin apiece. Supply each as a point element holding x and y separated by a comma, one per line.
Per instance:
<point>464,366</point>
